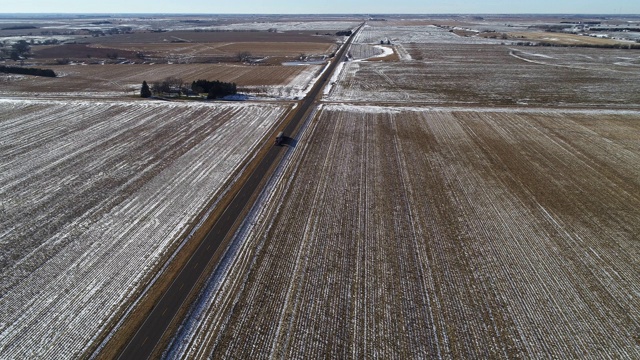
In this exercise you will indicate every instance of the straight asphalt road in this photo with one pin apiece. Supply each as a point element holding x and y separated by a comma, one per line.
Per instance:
<point>157,322</point>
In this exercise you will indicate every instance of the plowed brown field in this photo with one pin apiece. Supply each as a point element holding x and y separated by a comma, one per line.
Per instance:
<point>128,78</point>
<point>417,233</point>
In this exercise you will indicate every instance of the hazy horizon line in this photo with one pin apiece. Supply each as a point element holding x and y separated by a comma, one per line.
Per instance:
<point>317,14</point>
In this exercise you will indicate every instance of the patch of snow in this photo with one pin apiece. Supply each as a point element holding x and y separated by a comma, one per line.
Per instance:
<point>386,51</point>
<point>238,97</point>
<point>295,89</point>
<point>334,78</point>
<point>302,63</point>
<point>537,55</point>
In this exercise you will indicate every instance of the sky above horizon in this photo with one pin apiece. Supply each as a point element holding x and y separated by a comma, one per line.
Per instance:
<point>327,7</point>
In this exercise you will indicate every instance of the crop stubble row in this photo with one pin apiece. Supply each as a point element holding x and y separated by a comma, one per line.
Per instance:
<point>94,195</point>
<point>438,233</point>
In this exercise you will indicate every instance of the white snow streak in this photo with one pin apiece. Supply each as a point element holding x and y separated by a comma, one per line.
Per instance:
<point>95,194</point>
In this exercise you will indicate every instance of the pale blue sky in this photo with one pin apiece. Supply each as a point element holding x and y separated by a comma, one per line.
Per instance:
<point>325,6</point>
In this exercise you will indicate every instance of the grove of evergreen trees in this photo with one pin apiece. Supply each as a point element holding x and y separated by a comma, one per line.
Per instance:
<point>27,71</point>
<point>215,89</point>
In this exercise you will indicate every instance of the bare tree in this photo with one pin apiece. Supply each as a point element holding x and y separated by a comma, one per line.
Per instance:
<point>156,87</point>
<point>167,85</point>
<point>21,47</point>
<point>244,56</point>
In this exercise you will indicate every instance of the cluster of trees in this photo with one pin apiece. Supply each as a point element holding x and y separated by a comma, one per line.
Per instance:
<point>616,29</point>
<point>243,56</point>
<point>92,32</point>
<point>495,35</point>
<point>20,27</point>
<point>344,33</point>
<point>27,71</point>
<point>119,30</point>
<point>18,50</point>
<point>48,42</point>
<point>215,89</point>
<point>168,85</point>
<point>172,85</point>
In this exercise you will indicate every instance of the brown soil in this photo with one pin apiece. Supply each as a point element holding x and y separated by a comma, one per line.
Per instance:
<point>126,79</point>
<point>186,47</point>
<point>213,37</point>
<point>84,52</point>
<point>462,234</point>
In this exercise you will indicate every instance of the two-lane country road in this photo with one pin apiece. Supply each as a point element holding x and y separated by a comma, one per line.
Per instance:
<point>150,334</point>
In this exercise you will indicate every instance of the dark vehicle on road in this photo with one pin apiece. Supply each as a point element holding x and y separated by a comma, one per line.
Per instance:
<point>279,139</point>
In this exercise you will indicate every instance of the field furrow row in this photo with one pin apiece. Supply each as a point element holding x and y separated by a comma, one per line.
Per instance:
<point>436,233</point>
<point>85,245</point>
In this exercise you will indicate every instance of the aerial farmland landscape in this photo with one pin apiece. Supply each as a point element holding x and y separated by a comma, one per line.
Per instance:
<point>194,186</point>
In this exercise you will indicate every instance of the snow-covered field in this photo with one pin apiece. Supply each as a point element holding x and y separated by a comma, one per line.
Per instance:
<point>495,75</point>
<point>296,88</point>
<point>437,233</point>
<point>94,195</point>
<point>438,66</point>
<point>364,51</point>
<point>611,60</point>
<point>331,26</point>
<point>373,34</point>
<point>471,200</point>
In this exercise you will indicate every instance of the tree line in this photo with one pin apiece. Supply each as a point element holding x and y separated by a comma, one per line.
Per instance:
<point>19,50</point>
<point>171,85</point>
<point>344,33</point>
<point>27,71</point>
<point>214,89</point>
